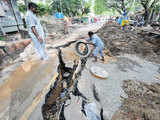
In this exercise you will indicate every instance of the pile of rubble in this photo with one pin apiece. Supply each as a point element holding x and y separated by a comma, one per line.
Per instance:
<point>130,42</point>
<point>143,102</point>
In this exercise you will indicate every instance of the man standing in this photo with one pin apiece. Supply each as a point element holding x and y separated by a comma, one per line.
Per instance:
<point>99,45</point>
<point>36,31</point>
<point>65,25</point>
<point>124,20</point>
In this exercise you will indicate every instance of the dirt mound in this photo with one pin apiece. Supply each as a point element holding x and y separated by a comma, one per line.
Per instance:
<point>131,42</point>
<point>143,102</point>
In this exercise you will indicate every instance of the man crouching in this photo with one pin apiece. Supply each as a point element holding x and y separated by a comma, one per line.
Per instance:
<point>99,45</point>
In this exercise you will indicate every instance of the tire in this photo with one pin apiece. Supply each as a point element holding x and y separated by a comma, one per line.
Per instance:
<point>86,52</point>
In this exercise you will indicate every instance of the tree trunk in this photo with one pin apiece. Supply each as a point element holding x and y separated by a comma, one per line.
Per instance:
<point>158,16</point>
<point>123,6</point>
<point>152,16</point>
<point>146,16</point>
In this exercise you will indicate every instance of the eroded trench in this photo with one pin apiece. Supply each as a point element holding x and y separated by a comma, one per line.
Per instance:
<point>65,86</point>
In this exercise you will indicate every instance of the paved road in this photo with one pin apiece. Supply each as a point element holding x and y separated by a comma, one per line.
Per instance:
<point>25,84</point>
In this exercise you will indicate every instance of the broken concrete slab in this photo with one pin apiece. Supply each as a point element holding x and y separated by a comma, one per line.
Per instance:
<point>110,91</point>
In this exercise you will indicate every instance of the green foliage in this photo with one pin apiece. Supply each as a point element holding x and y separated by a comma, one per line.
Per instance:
<point>22,8</point>
<point>121,5</point>
<point>68,7</point>
<point>2,38</point>
<point>100,6</point>
<point>156,7</point>
<point>71,7</point>
<point>42,9</point>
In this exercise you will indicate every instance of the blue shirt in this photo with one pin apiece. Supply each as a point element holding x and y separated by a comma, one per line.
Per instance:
<point>96,41</point>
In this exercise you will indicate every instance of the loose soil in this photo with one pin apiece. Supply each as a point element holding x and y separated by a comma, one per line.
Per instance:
<point>130,42</point>
<point>142,101</point>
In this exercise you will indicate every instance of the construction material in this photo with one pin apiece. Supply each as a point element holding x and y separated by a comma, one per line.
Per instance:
<point>99,72</point>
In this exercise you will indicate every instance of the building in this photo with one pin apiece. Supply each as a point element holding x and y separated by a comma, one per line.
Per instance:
<point>10,18</point>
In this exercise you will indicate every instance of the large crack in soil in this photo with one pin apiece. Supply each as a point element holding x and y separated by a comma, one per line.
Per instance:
<point>65,84</point>
<point>142,101</point>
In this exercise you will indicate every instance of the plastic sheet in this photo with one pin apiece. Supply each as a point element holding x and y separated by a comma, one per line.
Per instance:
<point>92,112</point>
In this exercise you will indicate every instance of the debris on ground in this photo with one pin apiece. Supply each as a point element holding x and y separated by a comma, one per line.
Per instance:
<point>98,72</point>
<point>143,102</point>
<point>119,42</point>
<point>143,99</point>
<point>139,95</point>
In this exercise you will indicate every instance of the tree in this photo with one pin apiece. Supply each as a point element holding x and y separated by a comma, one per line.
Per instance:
<point>71,7</point>
<point>100,6</point>
<point>42,9</point>
<point>120,5</point>
<point>149,8</point>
